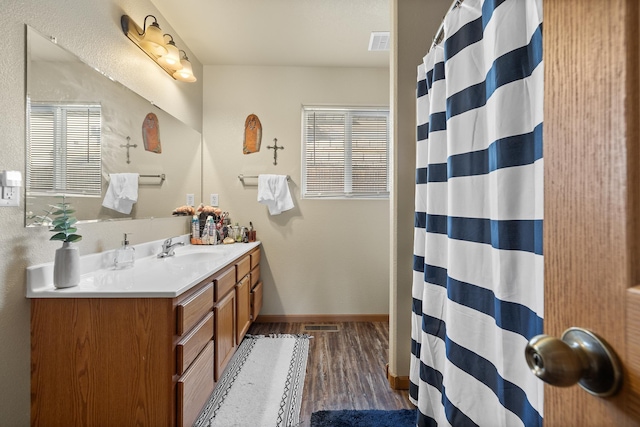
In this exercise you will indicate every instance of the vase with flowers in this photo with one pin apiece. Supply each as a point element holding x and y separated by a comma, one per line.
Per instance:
<point>66,266</point>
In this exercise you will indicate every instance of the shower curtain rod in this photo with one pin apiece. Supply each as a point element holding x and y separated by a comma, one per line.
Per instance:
<point>440,33</point>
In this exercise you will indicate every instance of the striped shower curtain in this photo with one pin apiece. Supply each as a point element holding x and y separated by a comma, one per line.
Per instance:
<point>478,271</point>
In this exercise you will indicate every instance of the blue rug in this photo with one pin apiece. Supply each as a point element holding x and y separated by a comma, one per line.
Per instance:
<point>369,418</point>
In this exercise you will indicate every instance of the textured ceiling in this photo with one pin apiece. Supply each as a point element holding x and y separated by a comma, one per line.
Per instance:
<point>332,33</point>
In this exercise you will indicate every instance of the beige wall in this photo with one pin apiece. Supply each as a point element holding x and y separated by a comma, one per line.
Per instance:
<point>91,29</point>
<point>324,256</point>
<point>411,42</point>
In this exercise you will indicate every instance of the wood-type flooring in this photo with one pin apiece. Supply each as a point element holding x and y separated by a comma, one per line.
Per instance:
<point>346,369</point>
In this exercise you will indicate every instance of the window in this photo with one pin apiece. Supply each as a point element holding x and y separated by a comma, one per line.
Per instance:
<point>345,152</point>
<point>64,150</point>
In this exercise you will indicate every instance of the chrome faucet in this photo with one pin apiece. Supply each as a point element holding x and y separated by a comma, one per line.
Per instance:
<point>168,248</point>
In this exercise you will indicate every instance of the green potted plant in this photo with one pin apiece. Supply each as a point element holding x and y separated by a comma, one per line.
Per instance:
<point>63,223</point>
<point>66,266</point>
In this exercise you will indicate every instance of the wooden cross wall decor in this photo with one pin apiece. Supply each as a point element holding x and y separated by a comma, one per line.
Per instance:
<point>275,150</point>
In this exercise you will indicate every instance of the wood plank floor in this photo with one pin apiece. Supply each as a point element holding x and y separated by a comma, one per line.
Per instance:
<point>345,369</point>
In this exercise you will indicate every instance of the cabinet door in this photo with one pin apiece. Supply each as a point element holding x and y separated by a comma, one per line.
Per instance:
<point>225,339</point>
<point>243,308</point>
<point>256,301</point>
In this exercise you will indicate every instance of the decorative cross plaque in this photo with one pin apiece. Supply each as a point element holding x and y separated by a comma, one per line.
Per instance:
<point>129,145</point>
<point>275,150</point>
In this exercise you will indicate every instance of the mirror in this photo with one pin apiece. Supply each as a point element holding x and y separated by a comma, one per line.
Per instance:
<point>99,127</point>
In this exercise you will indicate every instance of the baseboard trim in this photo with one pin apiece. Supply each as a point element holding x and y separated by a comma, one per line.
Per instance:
<point>322,318</point>
<point>397,382</point>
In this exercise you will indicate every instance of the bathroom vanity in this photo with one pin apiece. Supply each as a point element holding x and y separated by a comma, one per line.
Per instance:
<point>143,346</point>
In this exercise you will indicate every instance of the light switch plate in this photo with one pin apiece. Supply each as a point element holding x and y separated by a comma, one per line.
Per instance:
<point>214,200</point>
<point>191,200</point>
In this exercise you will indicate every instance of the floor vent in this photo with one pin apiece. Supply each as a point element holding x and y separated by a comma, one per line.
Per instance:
<point>322,328</point>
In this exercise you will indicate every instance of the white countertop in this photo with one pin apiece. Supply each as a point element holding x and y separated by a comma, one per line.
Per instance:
<point>150,277</point>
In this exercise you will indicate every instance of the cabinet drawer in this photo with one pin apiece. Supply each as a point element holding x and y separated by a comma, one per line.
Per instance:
<point>256,301</point>
<point>195,387</point>
<point>190,346</point>
<point>255,276</point>
<point>243,267</point>
<point>255,258</point>
<point>191,310</point>
<point>224,282</point>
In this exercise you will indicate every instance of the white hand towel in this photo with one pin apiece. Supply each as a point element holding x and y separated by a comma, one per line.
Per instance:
<point>273,191</point>
<point>122,192</point>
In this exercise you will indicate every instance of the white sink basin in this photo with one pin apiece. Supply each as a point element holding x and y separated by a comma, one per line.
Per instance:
<point>192,257</point>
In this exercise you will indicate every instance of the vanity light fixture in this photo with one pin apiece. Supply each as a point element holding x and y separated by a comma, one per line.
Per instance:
<point>172,59</point>
<point>185,73</point>
<point>160,47</point>
<point>152,38</point>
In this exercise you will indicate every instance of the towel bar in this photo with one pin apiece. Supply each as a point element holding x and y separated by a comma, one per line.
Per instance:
<point>242,177</point>
<point>161,176</point>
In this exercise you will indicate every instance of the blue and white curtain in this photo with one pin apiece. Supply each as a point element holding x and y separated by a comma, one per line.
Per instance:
<point>478,267</point>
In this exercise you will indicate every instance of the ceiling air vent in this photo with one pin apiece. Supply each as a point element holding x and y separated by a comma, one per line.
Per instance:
<point>379,41</point>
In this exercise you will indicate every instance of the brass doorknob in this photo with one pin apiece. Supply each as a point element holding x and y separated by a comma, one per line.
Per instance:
<point>579,356</point>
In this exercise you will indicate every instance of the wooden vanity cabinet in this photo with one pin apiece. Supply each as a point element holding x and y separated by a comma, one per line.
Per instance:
<point>113,361</point>
<point>136,361</point>
<point>233,307</point>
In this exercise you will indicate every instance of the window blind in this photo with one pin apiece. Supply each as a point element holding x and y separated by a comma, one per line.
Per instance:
<point>64,149</point>
<point>345,152</point>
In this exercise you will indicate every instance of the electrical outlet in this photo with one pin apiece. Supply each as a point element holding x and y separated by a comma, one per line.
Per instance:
<point>214,200</point>
<point>10,196</point>
<point>191,200</point>
<point>10,193</point>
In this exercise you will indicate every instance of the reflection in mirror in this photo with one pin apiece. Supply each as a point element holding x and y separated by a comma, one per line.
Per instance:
<point>82,126</point>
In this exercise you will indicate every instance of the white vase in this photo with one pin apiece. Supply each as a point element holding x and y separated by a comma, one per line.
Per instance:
<point>66,266</point>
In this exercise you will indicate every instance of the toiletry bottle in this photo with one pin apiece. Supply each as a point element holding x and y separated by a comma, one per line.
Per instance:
<point>237,234</point>
<point>205,233</point>
<point>125,256</point>
<point>211,228</point>
<point>195,229</point>
<point>252,232</point>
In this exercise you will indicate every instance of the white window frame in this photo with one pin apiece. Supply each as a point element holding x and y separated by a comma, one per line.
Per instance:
<point>347,192</point>
<point>60,156</point>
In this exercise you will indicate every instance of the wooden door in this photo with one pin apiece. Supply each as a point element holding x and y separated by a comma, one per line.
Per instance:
<point>591,162</point>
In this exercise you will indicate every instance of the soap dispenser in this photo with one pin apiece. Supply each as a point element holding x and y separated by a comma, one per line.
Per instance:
<point>125,256</point>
